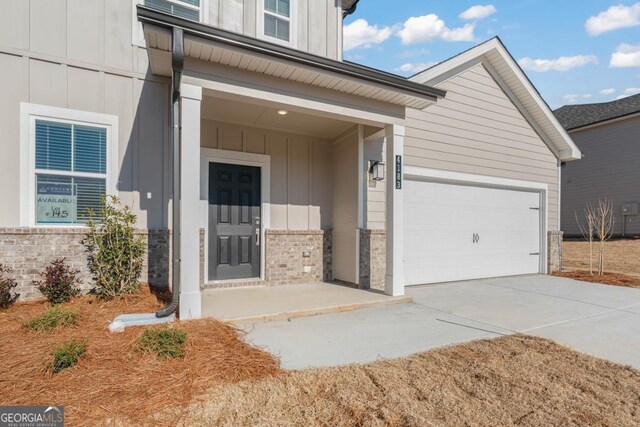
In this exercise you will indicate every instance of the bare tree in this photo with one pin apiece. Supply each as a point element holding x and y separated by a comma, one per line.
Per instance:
<point>605,221</point>
<point>588,230</point>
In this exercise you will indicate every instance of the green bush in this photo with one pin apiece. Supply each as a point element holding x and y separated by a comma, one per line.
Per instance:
<point>115,253</point>
<point>59,282</point>
<point>165,343</point>
<point>52,319</point>
<point>66,355</point>
<point>7,284</point>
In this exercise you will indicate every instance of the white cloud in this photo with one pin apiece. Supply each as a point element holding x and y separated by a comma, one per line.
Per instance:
<point>613,18</point>
<point>418,29</point>
<point>607,91</point>
<point>564,63</point>
<point>571,99</point>
<point>478,12</point>
<point>629,91</point>
<point>413,68</point>
<point>625,56</point>
<point>359,34</point>
<point>586,95</point>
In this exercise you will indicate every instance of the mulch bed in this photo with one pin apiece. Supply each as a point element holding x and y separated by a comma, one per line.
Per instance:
<point>112,384</point>
<point>616,279</point>
<point>510,381</point>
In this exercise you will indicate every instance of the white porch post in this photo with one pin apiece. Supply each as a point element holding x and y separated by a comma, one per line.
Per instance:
<point>394,279</point>
<point>190,299</point>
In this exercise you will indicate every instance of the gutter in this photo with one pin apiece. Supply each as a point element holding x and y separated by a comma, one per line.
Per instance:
<point>159,19</point>
<point>177,66</point>
<point>351,9</point>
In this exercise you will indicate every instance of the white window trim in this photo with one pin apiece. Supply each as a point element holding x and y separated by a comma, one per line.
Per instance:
<point>293,28</point>
<point>28,115</point>
<point>208,155</point>
<point>137,33</point>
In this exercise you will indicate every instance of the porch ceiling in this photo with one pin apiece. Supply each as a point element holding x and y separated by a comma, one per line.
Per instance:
<point>267,117</point>
<point>217,46</point>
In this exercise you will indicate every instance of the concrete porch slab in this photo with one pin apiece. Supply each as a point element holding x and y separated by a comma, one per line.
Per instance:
<point>267,303</point>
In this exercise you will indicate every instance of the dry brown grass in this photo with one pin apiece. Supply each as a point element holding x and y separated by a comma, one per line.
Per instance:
<point>509,381</point>
<point>616,279</point>
<point>112,384</point>
<point>621,256</point>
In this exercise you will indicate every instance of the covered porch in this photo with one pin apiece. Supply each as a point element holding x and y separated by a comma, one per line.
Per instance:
<point>275,149</point>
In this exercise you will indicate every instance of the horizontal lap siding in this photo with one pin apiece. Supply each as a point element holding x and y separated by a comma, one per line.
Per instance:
<point>609,169</point>
<point>476,129</point>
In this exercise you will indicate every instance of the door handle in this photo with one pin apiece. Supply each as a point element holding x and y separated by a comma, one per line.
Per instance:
<point>257,236</point>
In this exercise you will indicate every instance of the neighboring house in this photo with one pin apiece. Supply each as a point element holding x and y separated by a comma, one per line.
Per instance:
<point>294,165</point>
<point>608,134</point>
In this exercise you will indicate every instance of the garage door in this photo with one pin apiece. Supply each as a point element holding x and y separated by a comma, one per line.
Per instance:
<point>460,232</point>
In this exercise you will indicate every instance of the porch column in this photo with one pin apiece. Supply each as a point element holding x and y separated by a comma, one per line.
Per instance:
<point>190,300</point>
<point>394,279</point>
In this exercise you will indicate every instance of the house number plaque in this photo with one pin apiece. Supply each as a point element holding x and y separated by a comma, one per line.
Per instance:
<point>398,172</point>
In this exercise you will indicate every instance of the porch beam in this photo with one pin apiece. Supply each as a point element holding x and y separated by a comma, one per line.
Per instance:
<point>190,298</point>
<point>394,278</point>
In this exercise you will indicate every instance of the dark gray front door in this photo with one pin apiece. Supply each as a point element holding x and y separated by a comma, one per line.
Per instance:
<point>234,221</point>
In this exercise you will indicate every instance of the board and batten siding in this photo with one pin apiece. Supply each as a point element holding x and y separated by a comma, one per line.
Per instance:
<point>301,171</point>
<point>318,23</point>
<point>346,235</point>
<point>78,54</point>
<point>609,169</point>
<point>476,129</point>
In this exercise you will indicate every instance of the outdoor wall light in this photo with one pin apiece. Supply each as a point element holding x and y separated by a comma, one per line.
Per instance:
<point>376,170</point>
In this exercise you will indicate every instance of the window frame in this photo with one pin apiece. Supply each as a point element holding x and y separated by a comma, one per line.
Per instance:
<point>137,33</point>
<point>29,114</point>
<point>293,28</point>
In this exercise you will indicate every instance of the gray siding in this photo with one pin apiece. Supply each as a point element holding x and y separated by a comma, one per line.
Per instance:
<point>78,54</point>
<point>301,193</point>
<point>345,207</point>
<point>318,23</point>
<point>476,129</point>
<point>609,169</point>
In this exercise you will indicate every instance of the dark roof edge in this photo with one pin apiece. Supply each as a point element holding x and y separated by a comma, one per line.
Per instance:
<point>150,16</point>
<point>603,121</point>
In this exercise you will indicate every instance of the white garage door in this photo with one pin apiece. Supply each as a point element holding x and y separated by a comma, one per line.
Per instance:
<point>460,232</point>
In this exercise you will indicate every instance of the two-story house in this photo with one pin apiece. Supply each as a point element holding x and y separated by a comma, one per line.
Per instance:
<point>236,127</point>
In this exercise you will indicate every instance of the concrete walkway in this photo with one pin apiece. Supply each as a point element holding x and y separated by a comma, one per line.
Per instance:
<point>597,319</point>
<point>268,303</point>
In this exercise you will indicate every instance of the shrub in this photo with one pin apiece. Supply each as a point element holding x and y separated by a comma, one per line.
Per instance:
<point>115,253</point>
<point>7,284</point>
<point>52,319</point>
<point>165,343</point>
<point>66,355</point>
<point>59,282</point>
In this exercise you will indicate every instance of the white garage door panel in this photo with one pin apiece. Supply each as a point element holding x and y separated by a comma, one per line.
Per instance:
<point>440,221</point>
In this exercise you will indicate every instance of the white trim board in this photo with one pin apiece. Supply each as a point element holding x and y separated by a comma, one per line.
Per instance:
<point>208,155</point>
<point>418,173</point>
<point>28,114</point>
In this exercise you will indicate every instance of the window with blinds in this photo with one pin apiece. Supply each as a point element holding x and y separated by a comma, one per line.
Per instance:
<point>71,171</point>
<point>189,9</point>
<point>277,19</point>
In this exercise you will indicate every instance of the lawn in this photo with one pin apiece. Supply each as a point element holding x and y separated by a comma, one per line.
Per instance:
<point>221,380</point>
<point>515,380</point>
<point>621,256</point>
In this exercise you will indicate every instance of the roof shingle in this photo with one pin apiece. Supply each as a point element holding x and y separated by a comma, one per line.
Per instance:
<point>577,116</point>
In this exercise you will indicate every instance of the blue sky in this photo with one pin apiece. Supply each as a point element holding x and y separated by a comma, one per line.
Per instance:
<point>574,51</point>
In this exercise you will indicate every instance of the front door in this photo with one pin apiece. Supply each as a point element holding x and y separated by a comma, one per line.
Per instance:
<point>234,221</point>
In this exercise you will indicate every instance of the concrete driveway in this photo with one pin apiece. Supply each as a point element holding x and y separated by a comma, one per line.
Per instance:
<point>597,319</point>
